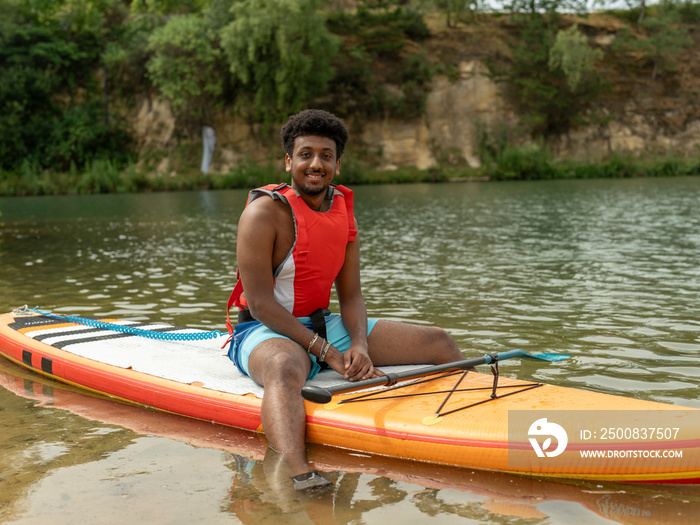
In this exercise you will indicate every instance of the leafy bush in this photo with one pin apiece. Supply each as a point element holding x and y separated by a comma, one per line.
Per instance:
<point>383,23</point>
<point>80,136</point>
<point>102,176</point>
<point>531,162</point>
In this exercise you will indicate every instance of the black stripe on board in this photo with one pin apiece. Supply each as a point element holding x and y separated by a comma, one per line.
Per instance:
<point>27,357</point>
<point>37,321</point>
<point>61,333</point>
<point>84,329</point>
<point>64,344</point>
<point>47,365</point>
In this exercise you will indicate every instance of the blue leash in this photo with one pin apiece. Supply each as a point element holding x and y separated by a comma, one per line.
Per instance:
<point>151,334</point>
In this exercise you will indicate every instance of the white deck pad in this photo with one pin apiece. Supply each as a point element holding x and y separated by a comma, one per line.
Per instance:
<point>203,361</point>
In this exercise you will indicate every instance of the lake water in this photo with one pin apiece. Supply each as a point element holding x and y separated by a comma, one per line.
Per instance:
<point>608,271</point>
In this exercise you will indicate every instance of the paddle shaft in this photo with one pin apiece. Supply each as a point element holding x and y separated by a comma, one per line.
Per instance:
<point>321,395</point>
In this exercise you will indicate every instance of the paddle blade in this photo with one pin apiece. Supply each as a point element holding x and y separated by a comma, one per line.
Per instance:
<point>552,358</point>
<point>514,354</point>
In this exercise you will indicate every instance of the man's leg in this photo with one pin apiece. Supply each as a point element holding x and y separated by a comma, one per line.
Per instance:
<point>281,367</point>
<point>395,343</point>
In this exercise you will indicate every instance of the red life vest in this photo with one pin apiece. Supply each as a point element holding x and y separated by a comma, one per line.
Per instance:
<point>303,282</point>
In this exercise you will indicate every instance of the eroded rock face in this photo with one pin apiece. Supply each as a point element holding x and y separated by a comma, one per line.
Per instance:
<point>456,113</point>
<point>153,123</point>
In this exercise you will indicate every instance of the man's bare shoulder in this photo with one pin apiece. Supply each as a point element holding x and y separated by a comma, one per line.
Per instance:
<point>266,224</point>
<point>265,208</point>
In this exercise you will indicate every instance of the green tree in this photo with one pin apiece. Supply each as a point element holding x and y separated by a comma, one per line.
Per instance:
<point>573,55</point>
<point>688,10</point>
<point>36,63</point>
<point>217,13</point>
<point>49,51</point>
<point>534,7</point>
<point>549,107</point>
<point>280,53</point>
<point>377,71</point>
<point>664,40</point>
<point>168,7</point>
<point>187,65</point>
<point>637,9</point>
<point>456,10</point>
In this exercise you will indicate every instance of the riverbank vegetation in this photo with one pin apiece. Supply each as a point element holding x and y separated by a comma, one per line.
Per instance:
<point>524,163</point>
<point>70,68</point>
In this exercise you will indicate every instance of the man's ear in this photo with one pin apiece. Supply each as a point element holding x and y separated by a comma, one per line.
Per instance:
<point>337,168</point>
<point>287,163</point>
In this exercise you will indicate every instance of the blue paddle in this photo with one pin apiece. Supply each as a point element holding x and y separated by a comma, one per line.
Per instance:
<point>317,394</point>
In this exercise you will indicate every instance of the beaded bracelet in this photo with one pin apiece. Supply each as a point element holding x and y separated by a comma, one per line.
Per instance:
<point>311,344</point>
<point>322,356</point>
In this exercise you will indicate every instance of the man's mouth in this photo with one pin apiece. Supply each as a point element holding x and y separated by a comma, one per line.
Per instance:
<point>315,175</point>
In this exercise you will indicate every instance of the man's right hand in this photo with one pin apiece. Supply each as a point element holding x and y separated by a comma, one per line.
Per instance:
<point>354,365</point>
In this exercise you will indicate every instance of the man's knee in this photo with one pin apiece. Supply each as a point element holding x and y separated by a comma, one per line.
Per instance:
<point>443,348</point>
<point>278,366</point>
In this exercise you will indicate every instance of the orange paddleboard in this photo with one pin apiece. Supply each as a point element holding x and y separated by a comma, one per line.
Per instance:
<point>455,419</point>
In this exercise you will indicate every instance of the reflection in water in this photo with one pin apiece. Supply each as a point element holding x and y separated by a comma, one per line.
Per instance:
<point>37,442</point>
<point>73,466</point>
<point>604,270</point>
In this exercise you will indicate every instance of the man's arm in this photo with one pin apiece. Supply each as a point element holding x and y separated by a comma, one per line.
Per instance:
<point>356,362</point>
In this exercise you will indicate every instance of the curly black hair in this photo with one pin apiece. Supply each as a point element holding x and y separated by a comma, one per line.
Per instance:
<point>314,122</point>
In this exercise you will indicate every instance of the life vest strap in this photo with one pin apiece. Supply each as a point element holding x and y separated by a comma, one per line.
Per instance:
<point>235,294</point>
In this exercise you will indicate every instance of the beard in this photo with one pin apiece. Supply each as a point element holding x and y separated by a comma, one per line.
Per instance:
<point>312,191</point>
<point>313,188</point>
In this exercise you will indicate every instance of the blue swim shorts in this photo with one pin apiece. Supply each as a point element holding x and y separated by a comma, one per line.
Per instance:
<point>248,335</point>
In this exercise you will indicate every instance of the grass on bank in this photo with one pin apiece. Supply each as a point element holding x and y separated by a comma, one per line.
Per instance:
<point>511,163</point>
<point>103,176</point>
<point>535,162</point>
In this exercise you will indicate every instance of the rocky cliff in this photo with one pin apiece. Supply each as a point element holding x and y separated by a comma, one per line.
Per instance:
<point>643,116</point>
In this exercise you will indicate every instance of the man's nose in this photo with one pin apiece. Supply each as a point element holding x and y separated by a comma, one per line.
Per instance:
<point>316,162</point>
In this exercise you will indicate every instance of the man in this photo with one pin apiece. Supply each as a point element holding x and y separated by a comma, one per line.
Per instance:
<point>293,245</point>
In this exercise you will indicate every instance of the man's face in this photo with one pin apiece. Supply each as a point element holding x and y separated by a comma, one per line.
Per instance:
<point>313,164</point>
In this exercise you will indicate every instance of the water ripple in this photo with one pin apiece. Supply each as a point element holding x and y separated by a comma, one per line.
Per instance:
<point>604,270</point>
